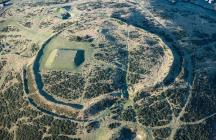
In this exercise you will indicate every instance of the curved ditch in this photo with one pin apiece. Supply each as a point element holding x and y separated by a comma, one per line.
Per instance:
<point>31,101</point>
<point>39,81</point>
<point>149,27</point>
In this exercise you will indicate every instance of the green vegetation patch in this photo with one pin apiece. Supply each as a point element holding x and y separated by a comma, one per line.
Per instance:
<point>67,56</point>
<point>61,59</point>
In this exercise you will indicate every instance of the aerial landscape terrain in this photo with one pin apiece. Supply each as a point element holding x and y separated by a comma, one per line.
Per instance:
<point>107,70</point>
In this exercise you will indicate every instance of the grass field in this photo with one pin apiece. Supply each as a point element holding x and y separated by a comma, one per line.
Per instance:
<point>61,59</point>
<point>60,54</point>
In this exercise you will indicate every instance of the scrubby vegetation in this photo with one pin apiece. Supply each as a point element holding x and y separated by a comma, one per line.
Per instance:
<point>142,70</point>
<point>64,84</point>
